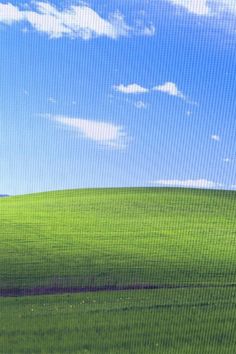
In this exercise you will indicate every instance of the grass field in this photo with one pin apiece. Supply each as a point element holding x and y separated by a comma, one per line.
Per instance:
<point>119,238</point>
<point>147,321</point>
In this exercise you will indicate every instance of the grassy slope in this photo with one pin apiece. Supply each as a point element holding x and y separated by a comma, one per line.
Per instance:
<point>118,236</point>
<point>98,237</point>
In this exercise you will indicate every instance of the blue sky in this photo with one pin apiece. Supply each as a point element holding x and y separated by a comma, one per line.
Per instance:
<point>117,93</point>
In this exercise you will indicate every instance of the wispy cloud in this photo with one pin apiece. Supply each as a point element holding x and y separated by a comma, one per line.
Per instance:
<point>227,6</point>
<point>195,183</point>
<point>197,7</point>
<point>215,137</point>
<point>130,89</point>
<point>207,7</point>
<point>52,100</point>
<point>140,104</point>
<point>148,31</point>
<point>171,89</point>
<point>107,134</point>
<point>75,21</point>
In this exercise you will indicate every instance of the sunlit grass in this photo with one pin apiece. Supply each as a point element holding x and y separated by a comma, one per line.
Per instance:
<point>119,237</point>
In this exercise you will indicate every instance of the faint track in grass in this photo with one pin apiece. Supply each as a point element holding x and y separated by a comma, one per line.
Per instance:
<point>17,292</point>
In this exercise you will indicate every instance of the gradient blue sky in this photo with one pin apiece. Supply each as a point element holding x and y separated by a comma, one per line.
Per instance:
<point>117,93</point>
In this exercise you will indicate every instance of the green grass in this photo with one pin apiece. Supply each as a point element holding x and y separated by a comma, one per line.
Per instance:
<point>119,237</point>
<point>152,321</point>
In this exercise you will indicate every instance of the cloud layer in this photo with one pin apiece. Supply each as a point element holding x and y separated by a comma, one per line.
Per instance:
<point>106,134</point>
<point>195,183</point>
<point>76,21</point>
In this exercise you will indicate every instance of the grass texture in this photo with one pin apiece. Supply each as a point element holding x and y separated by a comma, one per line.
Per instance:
<point>181,240</point>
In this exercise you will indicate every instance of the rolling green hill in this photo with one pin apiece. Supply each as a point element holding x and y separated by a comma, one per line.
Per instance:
<point>181,241</point>
<point>118,237</point>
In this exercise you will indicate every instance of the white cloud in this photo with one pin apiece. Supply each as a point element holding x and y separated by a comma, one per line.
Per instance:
<point>170,88</point>
<point>76,21</point>
<point>197,183</point>
<point>197,7</point>
<point>207,7</point>
<point>140,104</point>
<point>130,89</point>
<point>107,134</point>
<point>233,186</point>
<point>10,13</point>
<point>226,159</point>
<point>215,137</point>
